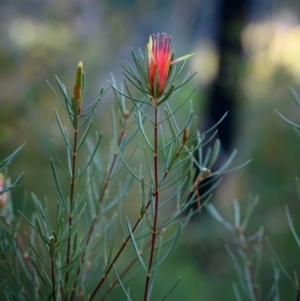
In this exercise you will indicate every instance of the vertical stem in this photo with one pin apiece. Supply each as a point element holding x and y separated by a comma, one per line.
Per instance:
<point>118,254</point>
<point>72,190</point>
<point>129,266</point>
<point>298,295</point>
<point>173,160</point>
<point>252,276</point>
<point>107,179</point>
<point>154,229</point>
<point>249,263</point>
<point>53,277</point>
<point>155,195</point>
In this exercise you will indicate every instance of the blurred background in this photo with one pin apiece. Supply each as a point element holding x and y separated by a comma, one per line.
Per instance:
<point>246,55</point>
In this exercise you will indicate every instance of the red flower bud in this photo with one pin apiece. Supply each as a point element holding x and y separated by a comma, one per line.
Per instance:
<point>159,62</point>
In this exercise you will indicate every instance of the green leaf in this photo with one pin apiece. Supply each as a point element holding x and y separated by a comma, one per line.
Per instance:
<point>92,156</point>
<point>294,95</point>
<point>13,185</point>
<point>62,130</point>
<point>173,196</point>
<point>9,159</point>
<point>251,204</point>
<point>40,229</point>
<point>139,86</point>
<point>136,61</point>
<point>140,124</point>
<point>186,79</point>
<point>86,117</point>
<point>46,282</point>
<point>298,187</point>
<point>181,69</point>
<point>175,239</point>
<point>236,292</point>
<point>288,121</point>
<point>68,104</point>
<point>37,253</point>
<point>238,167</point>
<point>215,153</point>
<point>137,252</point>
<point>216,125</point>
<point>240,272</point>
<point>58,98</point>
<point>292,226</point>
<point>147,165</point>
<point>38,206</point>
<point>57,181</point>
<point>82,84</point>
<point>215,214</point>
<point>275,282</point>
<point>120,282</point>
<point>279,262</point>
<point>227,163</point>
<point>167,95</point>
<point>129,72</point>
<point>87,130</point>
<point>68,173</point>
<point>170,123</point>
<point>236,207</point>
<point>130,170</point>
<point>171,290</point>
<point>129,96</point>
<point>92,106</point>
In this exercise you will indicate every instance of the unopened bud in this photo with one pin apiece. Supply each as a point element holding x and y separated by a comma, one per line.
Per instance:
<point>126,114</point>
<point>77,92</point>
<point>185,135</point>
<point>205,173</point>
<point>3,196</point>
<point>52,245</point>
<point>238,229</point>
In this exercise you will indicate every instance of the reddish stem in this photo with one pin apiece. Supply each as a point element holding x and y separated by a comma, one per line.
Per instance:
<point>154,229</point>
<point>119,253</point>
<point>174,159</point>
<point>298,295</point>
<point>249,263</point>
<point>72,188</point>
<point>53,279</point>
<point>134,228</point>
<point>107,179</point>
<point>129,266</point>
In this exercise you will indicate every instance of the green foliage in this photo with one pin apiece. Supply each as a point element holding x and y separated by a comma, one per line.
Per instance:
<point>4,165</point>
<point>126,205</point>
<point>247,252</point>
<point>86,246</point>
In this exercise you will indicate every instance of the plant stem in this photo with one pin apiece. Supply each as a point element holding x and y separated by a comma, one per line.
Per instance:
<point>174,159</point>
<point>249,263</point>
<point>53,278</point>
<point>118,254</point>
<point>129,266</point>
<point>298,295</point>
<point>107,179</point>
<point>253,281</point>
<point>156,195</point>
<point>72,189</point>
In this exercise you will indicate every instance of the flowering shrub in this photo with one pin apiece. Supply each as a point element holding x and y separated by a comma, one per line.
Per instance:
<point>89,247</point>
<point>90,239</point>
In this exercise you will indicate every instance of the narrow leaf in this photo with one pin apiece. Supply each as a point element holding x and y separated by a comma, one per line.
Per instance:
<point>135,246</point>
